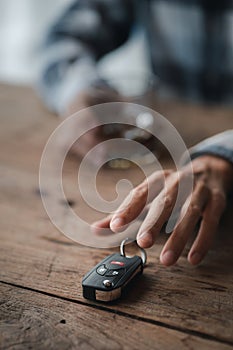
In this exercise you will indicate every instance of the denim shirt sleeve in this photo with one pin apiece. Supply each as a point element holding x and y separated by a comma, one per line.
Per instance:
<point>220,145</point>
<point>85,32</point>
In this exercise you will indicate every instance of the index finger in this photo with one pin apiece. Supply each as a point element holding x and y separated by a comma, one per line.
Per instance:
<point>135,202</point>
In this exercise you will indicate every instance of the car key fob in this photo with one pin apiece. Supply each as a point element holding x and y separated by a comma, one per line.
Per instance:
<point>107,279</point>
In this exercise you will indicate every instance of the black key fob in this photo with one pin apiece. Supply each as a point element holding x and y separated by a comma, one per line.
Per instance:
<point>107,279</point>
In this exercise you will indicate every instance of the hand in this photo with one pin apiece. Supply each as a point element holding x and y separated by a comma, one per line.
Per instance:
<point>87,120</point>
<point>213,178</point>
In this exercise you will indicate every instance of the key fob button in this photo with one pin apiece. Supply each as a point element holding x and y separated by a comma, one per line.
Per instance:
<point>112,273</point>
<point>101,270</point>
<point>119,263</point>
<point>115,265</point>
<point>107,283</point>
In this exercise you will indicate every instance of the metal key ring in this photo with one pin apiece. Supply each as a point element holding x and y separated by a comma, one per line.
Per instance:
<point>143,252</point>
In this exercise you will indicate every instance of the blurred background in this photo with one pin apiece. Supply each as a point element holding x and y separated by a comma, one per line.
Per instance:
<point>23,25</point>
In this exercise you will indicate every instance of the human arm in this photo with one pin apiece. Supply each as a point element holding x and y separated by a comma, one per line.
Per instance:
<point>81,36</point>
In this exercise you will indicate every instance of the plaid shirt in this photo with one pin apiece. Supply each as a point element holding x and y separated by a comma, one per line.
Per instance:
<point>190,44</point>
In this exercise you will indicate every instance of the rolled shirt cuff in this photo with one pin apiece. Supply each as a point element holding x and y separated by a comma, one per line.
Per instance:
<point>220,145</point>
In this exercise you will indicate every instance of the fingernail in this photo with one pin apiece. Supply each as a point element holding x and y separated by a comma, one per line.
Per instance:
<point>168,258</point>
<point>145,239</point>
<point>116,222</point>
<point>195,258</point>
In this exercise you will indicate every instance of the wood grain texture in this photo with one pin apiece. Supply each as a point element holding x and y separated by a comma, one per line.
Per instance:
<point>31,320</point>
<point>34,254</point>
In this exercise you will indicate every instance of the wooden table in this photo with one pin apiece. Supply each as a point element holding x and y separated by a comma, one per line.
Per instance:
<point>181,307</point>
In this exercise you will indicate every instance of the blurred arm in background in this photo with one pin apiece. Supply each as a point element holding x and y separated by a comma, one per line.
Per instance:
<point>189,45</point>
<point>87,30</point>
